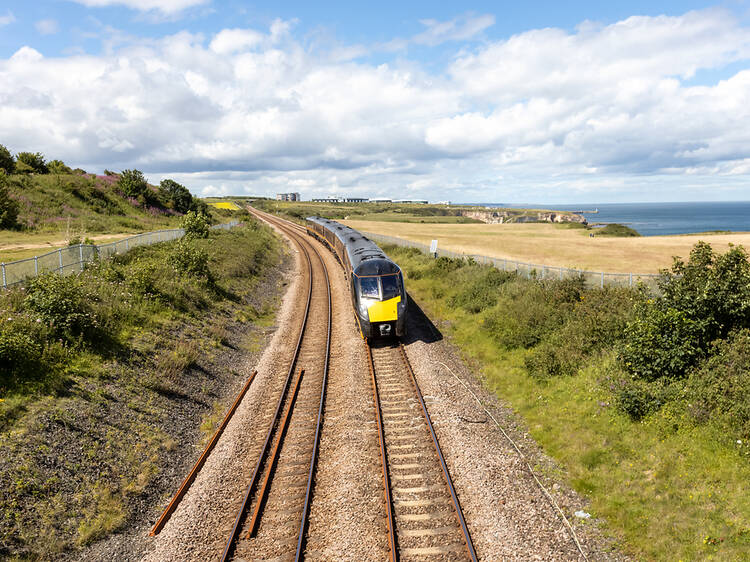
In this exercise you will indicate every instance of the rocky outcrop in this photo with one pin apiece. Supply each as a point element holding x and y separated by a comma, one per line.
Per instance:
<point>499,216</point>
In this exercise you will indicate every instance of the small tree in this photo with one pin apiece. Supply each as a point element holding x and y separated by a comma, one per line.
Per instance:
<point>181,198</point>
<point>132,183</point>
<point>195,225</point>
<point>58,167</point>
<point>7,162</point>
<point>33,160</point>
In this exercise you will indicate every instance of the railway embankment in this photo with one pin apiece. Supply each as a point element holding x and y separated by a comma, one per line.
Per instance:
<point>641,400</point>
<point>111,380</point>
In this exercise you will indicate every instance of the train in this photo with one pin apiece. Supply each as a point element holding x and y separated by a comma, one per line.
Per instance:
<point>376,283</point>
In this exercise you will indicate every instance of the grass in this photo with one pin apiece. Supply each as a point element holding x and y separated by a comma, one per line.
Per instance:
<point>96,376</point>
<point>555,244</point>
<point>666,487</point>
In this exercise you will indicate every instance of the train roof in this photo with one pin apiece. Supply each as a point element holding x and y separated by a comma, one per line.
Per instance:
<point>365,257</point>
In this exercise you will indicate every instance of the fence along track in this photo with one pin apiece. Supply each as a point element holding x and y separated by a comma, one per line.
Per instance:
<point>278,523</point>
<point>423,512</point>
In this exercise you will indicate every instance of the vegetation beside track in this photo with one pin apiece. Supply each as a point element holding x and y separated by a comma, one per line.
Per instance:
<point>642,400</point>
<point>106,376</point>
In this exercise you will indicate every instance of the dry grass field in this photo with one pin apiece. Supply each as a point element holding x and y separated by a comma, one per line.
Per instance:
<point>556,244</point>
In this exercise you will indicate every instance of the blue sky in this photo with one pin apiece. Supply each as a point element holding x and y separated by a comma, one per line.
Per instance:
<point>509,102</point>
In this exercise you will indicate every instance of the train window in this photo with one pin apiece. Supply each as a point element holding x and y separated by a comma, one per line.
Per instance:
<point>368,287</point>
<point>391,286</point>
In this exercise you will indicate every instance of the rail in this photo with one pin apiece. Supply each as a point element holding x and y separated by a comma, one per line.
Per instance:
<point>532,270</point>
<point>72,259</point>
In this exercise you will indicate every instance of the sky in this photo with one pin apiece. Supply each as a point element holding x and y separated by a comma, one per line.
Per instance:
<point>544,102</point>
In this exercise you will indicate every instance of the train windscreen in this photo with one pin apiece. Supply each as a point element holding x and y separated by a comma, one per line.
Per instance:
<point>391,286</point>
<point>368,287</point>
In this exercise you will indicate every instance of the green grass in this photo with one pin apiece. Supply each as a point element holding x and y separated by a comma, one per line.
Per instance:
<point>89,392</point>
<point>667,487</point>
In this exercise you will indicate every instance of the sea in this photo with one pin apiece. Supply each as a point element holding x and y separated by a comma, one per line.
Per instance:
<point>658,219</point>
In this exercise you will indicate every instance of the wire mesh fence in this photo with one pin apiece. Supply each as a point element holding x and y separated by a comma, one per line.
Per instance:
<point>532,270</point>
<point>73,258</point>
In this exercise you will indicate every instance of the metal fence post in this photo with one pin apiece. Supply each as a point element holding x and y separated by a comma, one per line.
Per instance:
<point>601,284</point>
<point>561,273</point>
<point>126,245</point>
<point>5,285</point>
<point>630,282</point>
<point>80,255</point>
<point>59,253</point>
<point>36,266</point>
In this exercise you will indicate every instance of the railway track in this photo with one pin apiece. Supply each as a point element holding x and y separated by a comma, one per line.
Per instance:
<point>271,522</point>
<point>422,509</point>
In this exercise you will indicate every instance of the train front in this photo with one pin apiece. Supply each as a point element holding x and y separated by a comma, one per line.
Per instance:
<point>381,298</point>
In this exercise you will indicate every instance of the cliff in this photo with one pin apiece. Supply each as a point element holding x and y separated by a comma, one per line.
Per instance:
<point>499,216</point>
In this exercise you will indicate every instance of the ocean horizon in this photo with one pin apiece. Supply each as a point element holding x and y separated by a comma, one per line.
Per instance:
<point>659,219</point>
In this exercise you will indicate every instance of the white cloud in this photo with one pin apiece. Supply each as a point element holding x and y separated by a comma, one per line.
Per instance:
<point>458,29</point>
<point>47,27</point>
<point>163,6</point>
<point>258,110</point>
<point>7,19</point>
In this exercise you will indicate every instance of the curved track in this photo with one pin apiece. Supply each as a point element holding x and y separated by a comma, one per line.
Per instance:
<point>272,520</point>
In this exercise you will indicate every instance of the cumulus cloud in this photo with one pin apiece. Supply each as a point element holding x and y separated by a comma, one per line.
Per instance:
<point>257,110</point>
<point>164,6</point>
<point>47,27</point>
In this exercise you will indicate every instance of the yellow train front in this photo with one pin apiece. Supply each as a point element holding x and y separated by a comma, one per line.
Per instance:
<point>376,282</point>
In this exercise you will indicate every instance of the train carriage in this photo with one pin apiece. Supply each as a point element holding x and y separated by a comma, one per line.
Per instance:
<point>377,284</point>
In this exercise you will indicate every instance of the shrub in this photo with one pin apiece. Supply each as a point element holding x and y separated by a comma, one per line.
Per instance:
<point>63,304</point>
<point>20,356</point>
<point>196,225</point>
<point>178,195</point>
<point>141,277</point>
<point>8,206</point>
<point>720,388</point>
<point>58,167</point>
<point>187,258</point>
<point>482,292</point>
<point>7,163</point>
<point>132,183</point>
<point>618,230</point>
<point>33,161</point>
<point>638,398</point>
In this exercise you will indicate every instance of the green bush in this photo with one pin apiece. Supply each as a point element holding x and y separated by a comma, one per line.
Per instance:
<point>196,225</point>
<point>7,163</point>
<point>63,304</point>
<point>8,205</point>
<point>701,301</point>
<point>720,388</point>
<point>32,161</point>
<point>20,356</point>
<point>482,291</point>
<point>132,183</point>
<point>178,195</point>
<point>187,258</point>
<point>616,230</point>
<point>58,167</point>
<point>141,277</point>
<point>638,398</point>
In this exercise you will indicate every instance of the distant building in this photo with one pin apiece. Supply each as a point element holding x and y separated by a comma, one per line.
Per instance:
<point>420,201</point>
<point>326,200</point>
<point>288,197</point>
<point>443,202</point>
<point>379,200</point>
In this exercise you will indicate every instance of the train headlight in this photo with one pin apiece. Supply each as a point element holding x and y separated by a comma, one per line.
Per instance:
<point>364,305</point>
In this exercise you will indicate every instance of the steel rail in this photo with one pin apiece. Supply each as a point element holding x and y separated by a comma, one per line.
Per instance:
<point>446,474</point>
<point>188,481</point>
<point>316,441</point>
<point>253,480</point>
<point>393,555</point>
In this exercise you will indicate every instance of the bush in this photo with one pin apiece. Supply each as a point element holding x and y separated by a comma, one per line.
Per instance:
<point>141,277</point>
<point>58,167</point>
<point>638,398</point>
<point>8,206</point>
<point>196,225</point>
<point>482,292</point>
<point>7,163</point>
<point>178,195</point>
<point>720,388</point>
<point>701,301</point>
<point>32,161</point>
<point>62,303</point>
<point>132,183</point>
<point>20,356</point>
<point>187,258</point>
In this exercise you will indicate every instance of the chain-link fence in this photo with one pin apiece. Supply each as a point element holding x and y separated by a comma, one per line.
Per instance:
<point>532,270</point>
<point>73,258</point>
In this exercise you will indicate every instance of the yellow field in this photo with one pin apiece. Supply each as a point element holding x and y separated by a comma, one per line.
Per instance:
<point>21,245</point>
<point>555,244</point>
<point>226,205</point>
